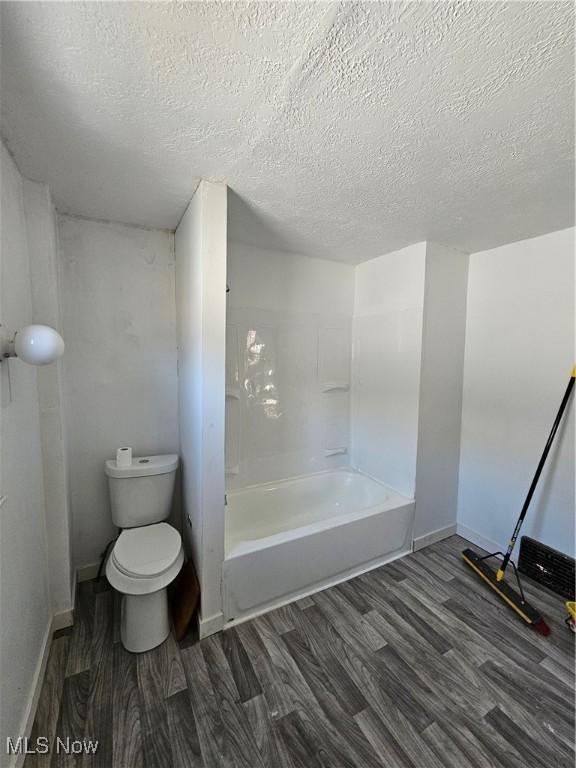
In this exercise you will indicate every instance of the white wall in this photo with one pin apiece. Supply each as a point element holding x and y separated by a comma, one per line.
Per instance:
<point>120,363</point>
<point>200,245</point>
<point>519,353</point>
<point>440,405</point>
<point>25,602</point>
<point>43,253</point>
<point>387,340</point>
<point>288,336</point>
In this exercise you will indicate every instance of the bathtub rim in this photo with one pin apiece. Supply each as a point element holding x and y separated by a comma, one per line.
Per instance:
<point>245,546</point>
<point>255,545</point>
<point>293,478</point>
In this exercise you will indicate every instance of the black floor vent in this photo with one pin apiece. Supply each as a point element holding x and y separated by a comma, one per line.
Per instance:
<point>547,566</point>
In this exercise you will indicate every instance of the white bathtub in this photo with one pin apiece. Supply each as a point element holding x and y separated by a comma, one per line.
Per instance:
<point>288,539</point>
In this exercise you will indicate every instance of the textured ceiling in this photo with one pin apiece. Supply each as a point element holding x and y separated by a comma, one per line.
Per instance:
<point>344,129</point>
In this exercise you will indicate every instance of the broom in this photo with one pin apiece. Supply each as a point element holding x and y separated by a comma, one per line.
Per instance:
<point>495,580</point>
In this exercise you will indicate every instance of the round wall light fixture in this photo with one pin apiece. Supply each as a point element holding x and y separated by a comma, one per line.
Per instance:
<point>36,344</point>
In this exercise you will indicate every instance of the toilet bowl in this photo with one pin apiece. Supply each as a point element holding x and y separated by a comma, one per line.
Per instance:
<point>148,553</point>
<point>142,564</point>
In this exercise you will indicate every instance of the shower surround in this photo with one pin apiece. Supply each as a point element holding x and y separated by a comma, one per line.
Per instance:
<point>322,399</point>
<point>322,377</point>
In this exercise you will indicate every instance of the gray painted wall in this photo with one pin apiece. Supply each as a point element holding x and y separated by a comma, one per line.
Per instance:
<point>519,354</point>
<point>201,309</point>
<point>119,323</point>
<point>25,603</point>
<point>441,374</point>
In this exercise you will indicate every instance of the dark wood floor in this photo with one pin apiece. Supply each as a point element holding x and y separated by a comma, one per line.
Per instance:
<point>413,665</point>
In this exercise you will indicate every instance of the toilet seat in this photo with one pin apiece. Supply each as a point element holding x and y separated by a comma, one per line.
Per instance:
<point>147,552</point>
<point>146,559</point>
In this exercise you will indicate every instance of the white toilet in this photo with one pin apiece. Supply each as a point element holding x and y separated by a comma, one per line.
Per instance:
<point>148,553</point>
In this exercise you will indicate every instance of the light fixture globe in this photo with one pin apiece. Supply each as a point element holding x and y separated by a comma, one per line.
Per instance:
<point>38,344</point>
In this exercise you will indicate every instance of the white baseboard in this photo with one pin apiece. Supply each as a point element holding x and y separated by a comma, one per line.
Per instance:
<point>17,761</point>
<point>74,590</point>
<point>59,620</point>
<point>62,620</point>
<point>87,572</point>
<point>477,538</point>
<point>431,538</point>
<point>210,625</point>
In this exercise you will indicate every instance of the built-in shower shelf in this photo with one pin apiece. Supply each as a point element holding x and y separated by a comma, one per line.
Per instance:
<point>335,386</point>
<point>232,393</point>
<point>340,451</point>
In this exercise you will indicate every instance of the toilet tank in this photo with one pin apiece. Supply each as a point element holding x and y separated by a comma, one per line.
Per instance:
<point>141,493</point>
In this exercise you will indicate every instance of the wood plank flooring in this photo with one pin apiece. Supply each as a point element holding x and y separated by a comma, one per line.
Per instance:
<point>413,665</point>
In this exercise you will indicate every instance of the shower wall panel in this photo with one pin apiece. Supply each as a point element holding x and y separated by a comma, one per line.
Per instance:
<point>282,420</point>
<point>287,365</point>
<point>387,344</point>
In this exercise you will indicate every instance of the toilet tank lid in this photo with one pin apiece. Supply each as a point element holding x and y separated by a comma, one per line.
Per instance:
<point>143,465</point>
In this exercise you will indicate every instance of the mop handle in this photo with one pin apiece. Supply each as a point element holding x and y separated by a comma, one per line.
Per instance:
<point>557,420</point>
